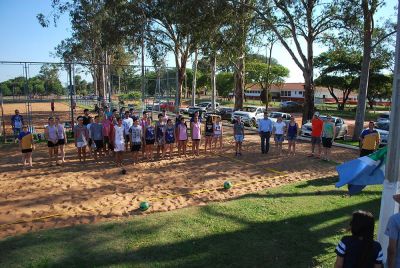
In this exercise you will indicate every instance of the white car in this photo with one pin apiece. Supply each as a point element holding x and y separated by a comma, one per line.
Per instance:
<point>341,127</point>
<point>385,116</point>
<point>274,116</point>
<point>202,107</point>
<point>249,115</point>
<point>383,128</point>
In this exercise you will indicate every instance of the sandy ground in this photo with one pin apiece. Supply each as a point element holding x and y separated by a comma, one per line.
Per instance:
<point>82,194</point>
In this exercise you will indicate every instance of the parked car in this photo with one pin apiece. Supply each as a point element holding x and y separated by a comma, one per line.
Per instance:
<point>289,104</point>
<point>168,106</point>
<point>274,116</point>
<point>341,127</point>
<point>249,115</point>
<point>225,113</point>
<point>202,107</point>
<point>383,128</point>
<point>184,110</point>
<point>385,116</point>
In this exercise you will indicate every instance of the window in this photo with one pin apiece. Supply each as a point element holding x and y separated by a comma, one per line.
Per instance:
<point>289,93</point>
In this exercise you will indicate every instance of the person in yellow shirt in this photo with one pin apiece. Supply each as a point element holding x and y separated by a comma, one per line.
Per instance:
<point>26,145</point>
<point>369,140</point>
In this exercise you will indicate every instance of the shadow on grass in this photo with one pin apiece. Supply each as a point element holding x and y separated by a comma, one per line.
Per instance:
<point>171,241</point>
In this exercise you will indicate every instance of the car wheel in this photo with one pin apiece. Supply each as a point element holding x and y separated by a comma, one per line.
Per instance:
<point>253,122</point>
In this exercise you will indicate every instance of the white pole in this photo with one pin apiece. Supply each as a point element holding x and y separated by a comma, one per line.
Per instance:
<point>391,184</point>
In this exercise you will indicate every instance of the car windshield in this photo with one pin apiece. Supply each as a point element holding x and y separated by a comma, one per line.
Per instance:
<point>383,125</point>
<point>249,109</point>
<point>275,115</point>
<point>204,104</point>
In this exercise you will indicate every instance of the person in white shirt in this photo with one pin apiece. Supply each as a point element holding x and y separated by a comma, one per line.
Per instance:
<point>279,130</point>
<point>118,141</point>
<point>127,123</point>
<point>136,135</point>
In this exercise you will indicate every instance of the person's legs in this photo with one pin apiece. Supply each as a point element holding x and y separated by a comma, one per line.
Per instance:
<point>268,136</point>
<point>184,147</point>
<point>84,153</point>
<point>289,146</point>
<point>240,148</point>
<point>56,154</point>
<point>312,145</point>
<point>197,147</point>
<point>62,153</point>
<point>236,147</point>
<point>80,153</point>
<point>294,147</point>
<point>280,148</point>
<point>262,142</point>
<point>29,158</point>
<point>220,142</point>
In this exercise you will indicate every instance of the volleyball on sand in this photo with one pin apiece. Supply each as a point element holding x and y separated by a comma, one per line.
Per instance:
<point>227,185</point>
<point>144,206</point>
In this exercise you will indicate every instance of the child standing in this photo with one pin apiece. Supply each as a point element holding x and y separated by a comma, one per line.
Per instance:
<point>51,136</point>
<point>160,135</point>
<point>238,134</point>
<point>107,131</point>
<point>279,129</point>
<point>136,139</point>
<point>359,249</point>
<point>91,145</point>
<point>170,136</point>
<point>118,140</point>
<point>209,128</point>
<point>81,135</point>
<point>96,132</point>
<point>292,130</point>
<point>127,122</point>
<point>182,137</point>
<point>26,145</point>
<point>195,127</point>
<point>217,130</point>
<point>150,139</point>
<point>62,139</point>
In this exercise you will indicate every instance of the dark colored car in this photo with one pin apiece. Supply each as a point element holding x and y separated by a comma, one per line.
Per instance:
<point>225,113</point>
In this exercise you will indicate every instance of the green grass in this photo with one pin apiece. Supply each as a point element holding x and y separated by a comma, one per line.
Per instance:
<point>291,226</point>
<point>350,111</point>
<point>348,142</point>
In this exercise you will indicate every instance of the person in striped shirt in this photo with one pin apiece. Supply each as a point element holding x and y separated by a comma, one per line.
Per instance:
<point>360,249</point>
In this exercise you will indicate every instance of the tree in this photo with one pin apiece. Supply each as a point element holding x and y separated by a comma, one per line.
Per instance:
<point>379,87</point>
<point>299,21</point>
<point>52,84</point>
<point>224,83</point>
<point>265,75</point>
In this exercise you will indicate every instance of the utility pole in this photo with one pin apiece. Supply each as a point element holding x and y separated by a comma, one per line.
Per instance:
<point>391,185</point>
<point>194,83</point>
<point>71,93</point>
<point>213,81</point>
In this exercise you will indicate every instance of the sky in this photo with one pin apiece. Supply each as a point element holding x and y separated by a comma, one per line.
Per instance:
<point>23,39</point>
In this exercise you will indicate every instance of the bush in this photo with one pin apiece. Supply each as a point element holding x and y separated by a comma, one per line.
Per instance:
<point>135,95</point>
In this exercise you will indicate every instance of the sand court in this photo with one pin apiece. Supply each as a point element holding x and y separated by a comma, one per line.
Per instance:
<point>47,197</point>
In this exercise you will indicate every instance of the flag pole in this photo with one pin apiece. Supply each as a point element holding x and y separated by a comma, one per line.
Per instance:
<point>391,183</point>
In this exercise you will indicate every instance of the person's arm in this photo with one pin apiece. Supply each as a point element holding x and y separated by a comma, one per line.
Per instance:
<point>75,136</point>
<point>46,133</point>
<point>65,135</point>
<point>191,128</point>
<point>33,142</point>
<point>378,140</point>
<point>391,253</point>
<point>339,262</point>
<point>259,126</point>
<point>234,130</point>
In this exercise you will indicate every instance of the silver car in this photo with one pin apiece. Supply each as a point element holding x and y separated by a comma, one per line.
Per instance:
<point>383,128</point>
<point>341,127</point>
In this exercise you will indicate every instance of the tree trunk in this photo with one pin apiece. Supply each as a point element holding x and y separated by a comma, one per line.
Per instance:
<point>213,63</point>
<point>239,83</point>
<point>194,83</point>
<point>364,77</point>
<point>308,109</point>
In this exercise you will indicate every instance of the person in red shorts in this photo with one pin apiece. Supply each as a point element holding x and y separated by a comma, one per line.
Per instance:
<point>316,133</point>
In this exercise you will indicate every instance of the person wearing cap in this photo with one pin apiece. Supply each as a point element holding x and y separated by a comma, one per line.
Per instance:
<point>316,125</point>
<point>264,130</point>
<point>393,232</point>
<point>369,140</point>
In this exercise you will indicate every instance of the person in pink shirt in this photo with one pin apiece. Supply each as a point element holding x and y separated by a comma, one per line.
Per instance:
<point>195,127</point>
<point>182,137</point>
<point>107,126</point>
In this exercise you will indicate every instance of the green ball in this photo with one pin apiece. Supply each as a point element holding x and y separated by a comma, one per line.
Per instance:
<point>227,185</point>
<point>144,206</point>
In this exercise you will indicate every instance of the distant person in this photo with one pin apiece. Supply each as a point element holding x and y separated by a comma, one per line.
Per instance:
<point>81,135</point>
<point>393,232</point>
<point>136,134</point>
<point>107,131</point>
<point>196,114</point>
<point>96,135</point>
<point>127,123</point>
<point>170,137</point>
<point>108,112</point>
<point>316,124</point>
<point>265,130</point>
<point>195,127</point>
<point>26,145</point>
<point>182,134</point>
<point>238,134</point>
<point>62,139</point>
<point>118,141</point>
<point>279,130</point>
<point>51,135</point>
<point>208,133</point>
<point>360,249</point>
<point>369,140</point>
<point>143,124</point>
<point>17,121</point>
<point>328,135</point>
<point>160,136</point>
<point>86,117</point>
<point>150,138</point>
<point>292,130</point>
<point>91,144</point>
<point>52,106</point>
<point>164,116</point>
<point>218,133</point>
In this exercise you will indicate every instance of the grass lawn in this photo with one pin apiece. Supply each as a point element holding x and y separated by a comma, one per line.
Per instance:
<point>296,225</point>
<point>348,142</point>
<point>350,111</point>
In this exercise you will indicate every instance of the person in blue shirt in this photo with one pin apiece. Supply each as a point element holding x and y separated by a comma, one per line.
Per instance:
<point>264,130</point>
<point>17,121</point>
